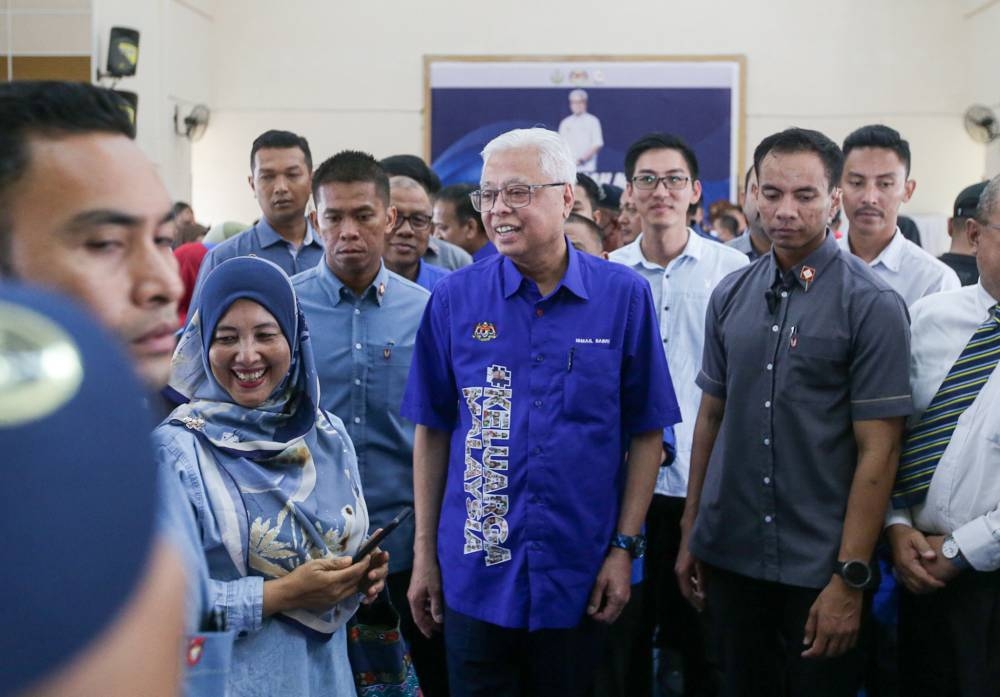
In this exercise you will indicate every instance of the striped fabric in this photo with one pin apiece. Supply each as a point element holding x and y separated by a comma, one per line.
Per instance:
<point>925,443</point>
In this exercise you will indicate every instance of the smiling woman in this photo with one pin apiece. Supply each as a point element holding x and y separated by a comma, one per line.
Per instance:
<point>274,484</point>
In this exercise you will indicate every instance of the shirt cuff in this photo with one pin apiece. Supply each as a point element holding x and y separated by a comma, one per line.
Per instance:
<point>710,385</point>
<point>978,545</point>
<point>241,602</point>
<point>898,516</point>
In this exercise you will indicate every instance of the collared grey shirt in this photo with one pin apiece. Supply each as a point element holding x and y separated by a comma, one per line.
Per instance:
<point>446,255</point>
<point>798,357</point>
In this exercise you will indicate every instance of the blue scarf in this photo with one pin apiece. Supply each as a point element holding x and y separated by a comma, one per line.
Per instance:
<point>276,505</point>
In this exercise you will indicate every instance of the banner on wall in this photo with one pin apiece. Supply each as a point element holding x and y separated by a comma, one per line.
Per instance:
<point>471,99</point>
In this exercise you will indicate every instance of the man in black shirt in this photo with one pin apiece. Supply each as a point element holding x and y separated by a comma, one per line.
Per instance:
<point>961,257</point>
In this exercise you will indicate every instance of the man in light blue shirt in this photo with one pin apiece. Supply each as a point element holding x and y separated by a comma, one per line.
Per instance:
<point>280,177</point>
<point>682,270</point>
<point>406,242</point>
<point>363,319</point>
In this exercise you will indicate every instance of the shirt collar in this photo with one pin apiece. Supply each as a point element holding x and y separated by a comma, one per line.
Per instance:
<point>631,254</point>
<point>340,292</point>
<point>267,236</point>
<point>811,267</point>
<point>891,255</point>
<point>983,297</point>
<point>572,280</point>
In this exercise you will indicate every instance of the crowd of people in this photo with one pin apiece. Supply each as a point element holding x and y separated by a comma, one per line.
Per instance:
<point>624,435</point>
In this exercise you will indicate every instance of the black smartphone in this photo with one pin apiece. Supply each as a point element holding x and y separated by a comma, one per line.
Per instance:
<point>375,539</point>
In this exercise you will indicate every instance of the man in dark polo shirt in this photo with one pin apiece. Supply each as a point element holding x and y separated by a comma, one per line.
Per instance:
<point>787,489</point>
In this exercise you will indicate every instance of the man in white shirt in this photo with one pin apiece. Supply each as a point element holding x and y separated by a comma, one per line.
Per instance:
<point>682,269</point>
<point>875,183</point>
<point>582,132</point>
<point>945,532</point>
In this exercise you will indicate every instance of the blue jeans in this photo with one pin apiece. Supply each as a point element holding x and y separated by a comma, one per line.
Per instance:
<point>488,660</point>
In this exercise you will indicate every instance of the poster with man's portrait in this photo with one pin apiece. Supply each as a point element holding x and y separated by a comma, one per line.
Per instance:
<point>599,106</point>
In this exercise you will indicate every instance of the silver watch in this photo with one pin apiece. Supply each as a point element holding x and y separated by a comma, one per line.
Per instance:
<point>953,553</point>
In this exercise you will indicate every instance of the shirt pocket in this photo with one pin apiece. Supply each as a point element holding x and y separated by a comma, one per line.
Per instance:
<point>394,362</point>
<point>817,369</point>
<point>593,382</point>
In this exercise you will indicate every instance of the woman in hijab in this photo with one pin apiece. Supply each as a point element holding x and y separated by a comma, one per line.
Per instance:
<point>274,484</point>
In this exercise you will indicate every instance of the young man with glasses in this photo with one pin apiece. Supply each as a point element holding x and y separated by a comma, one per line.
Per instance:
<point>682,269</point>
<point>534,373</point>
<point>362,320</point>
<point>406,241</point>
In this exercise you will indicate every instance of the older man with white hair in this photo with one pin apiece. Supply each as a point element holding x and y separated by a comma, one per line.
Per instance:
<point>540,392</point>
<point>582,132</point>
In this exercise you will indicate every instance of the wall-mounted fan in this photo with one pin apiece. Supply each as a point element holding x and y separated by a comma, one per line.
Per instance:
<point>981,123</point>
<point>193,125</point>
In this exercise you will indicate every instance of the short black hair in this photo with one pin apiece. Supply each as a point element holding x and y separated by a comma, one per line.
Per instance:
<point>590,187</point>
<point>591,226</point>
<point>49,109</point>
<point>350,166</point>
<point>731,224</point>
<point>879,136</point>
<point>746,179</point>
<point>793,140</point>
<point>413,167</point>
<point>179,207</point>
<point>458,196</point>
<point>281,139</point>
<point>660,141</point>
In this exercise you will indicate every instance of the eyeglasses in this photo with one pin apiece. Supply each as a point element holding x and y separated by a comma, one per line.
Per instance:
<point>514,195</point>
<point>418,222</point>
<point>648,182</point>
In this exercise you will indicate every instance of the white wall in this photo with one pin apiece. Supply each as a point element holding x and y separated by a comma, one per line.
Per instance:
<point>982,25</point>
<point>174,69</point>
<point>351,74</point>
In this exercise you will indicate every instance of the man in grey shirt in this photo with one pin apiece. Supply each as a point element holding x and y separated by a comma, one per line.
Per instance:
<point>788,488</point>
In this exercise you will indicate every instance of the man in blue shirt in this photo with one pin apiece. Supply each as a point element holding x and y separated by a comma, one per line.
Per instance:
<point>363,319</point>
<point>534,373</point>
<point>280,177</point>
<point>406,242</point>
<point>456,221</point>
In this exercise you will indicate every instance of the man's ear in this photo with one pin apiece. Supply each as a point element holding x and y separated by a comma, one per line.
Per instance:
<point>390,219</point>
<point>250,182</point>
<point>314,220</point>
<point>908,188</point>
<point>696,187</point>
<point>972,230</point>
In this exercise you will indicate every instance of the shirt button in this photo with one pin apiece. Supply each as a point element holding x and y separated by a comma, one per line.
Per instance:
<point>538,402</point>
<point>666,308</point>
<point>539,358</point>
<point>539,312</point>
<point>767,441</point>
<point>784,293</point>
<point>357,347</point>
<point>770,366</point>
<point>767,480</point>
<point>357,381</point>
<point>774,328</point>
<point>767,404</point>
<point>536,450</point>
<point>768,519</point>
<point>357,311</point>
<point>357,419</point>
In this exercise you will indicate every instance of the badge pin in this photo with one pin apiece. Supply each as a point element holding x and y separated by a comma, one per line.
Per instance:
<point>387,351</point>
<point>484,331</point>
<point>195,648</point>
<point>807,275</point>
<point>381,289</point>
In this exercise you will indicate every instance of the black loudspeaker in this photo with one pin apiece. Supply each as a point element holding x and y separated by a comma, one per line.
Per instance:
<point>131,104</point>
<point>123,52</point>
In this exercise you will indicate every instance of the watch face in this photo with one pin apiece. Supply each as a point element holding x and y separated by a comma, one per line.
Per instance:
<point>857,574</point>
<point>949,548</point>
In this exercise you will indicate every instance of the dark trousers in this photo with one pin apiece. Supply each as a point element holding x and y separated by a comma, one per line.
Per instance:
<point>626,667</point>
<point>682,629</point>
<point>428,654</point>
<point>486,660</point>
<point>949,640</point>
<point>760,626</point>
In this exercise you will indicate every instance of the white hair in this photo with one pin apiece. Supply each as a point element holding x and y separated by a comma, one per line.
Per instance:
<point>554,157</point>
<point>988,200</point>
<point>578,94</point>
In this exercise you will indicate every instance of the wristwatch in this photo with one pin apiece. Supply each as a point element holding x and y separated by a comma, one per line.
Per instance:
<point>635,545</point>
<point>856,573</point>
<point>953,553</point>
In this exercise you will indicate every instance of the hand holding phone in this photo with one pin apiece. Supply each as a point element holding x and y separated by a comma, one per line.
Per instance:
<point>373,541</point>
